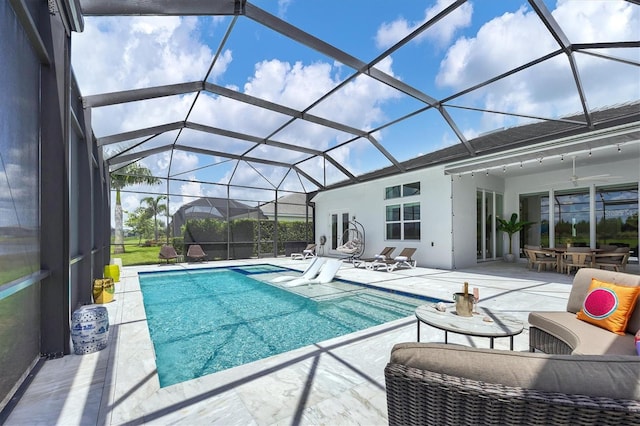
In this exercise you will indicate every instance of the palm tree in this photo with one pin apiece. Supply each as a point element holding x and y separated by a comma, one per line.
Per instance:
<point>154,208</point>
<point>131,174</point>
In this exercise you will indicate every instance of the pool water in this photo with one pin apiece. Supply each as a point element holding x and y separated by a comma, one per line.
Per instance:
<point>204,321</point>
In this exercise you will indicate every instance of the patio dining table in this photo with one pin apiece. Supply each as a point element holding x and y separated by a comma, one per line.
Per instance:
<point>560,251</point>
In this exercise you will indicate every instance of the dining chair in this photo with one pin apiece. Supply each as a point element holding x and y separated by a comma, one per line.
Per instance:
<point>576,257</point>
<point>616,259</point>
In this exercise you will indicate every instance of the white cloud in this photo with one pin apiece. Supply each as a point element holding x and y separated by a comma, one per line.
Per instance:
<point>547,90</point>
<point>440,33</point>
<point>191,189</point>
<point>130,202</point>
<point>114,54</point>
<point>298,85</point>
<point>181,161</point>
<point>283,5</point>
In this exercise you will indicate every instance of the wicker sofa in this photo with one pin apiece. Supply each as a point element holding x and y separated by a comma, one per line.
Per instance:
<point>563,333</point>
<point>591,379</point>
<point>438,384</point>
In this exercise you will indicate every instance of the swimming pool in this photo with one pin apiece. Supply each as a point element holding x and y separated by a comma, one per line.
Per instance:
<point>207,320</point>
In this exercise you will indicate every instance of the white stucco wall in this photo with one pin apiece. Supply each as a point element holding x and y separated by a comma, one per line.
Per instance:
<point>366,202</point>
<point>448,207</point>
<point>465,218</point>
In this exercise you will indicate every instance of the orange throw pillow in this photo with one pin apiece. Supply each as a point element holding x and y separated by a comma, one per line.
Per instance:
<point>608,305</point>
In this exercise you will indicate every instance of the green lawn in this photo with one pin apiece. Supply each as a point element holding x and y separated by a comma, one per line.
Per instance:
<point>14,266</point>
<point>137,255</point>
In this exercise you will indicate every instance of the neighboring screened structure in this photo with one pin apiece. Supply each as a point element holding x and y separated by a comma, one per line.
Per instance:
<point>212,208</point>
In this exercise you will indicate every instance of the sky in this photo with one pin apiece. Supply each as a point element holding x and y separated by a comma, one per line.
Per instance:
<point>479,40</point>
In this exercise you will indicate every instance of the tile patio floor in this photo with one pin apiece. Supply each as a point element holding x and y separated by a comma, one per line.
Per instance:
<point>336,382</point>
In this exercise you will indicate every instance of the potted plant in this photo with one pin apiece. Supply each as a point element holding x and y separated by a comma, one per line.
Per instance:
<point>511,227</point>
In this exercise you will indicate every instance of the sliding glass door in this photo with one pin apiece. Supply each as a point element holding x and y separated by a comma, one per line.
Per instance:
<point>588,217</point>
<point>616,212</point>
<point>571,218</point>
<point>488,207</point>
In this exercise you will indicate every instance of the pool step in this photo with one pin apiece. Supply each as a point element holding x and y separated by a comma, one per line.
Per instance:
<point>388,302</point>
<point>367,308</point>
<point>354,317</point>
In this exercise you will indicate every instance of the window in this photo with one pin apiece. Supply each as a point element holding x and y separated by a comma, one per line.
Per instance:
<point>411,216</point>
<point>406,190</point>
<point>411,189</point>
<point>403,221</point>
<point>394,225</point>
<point>392,192</point>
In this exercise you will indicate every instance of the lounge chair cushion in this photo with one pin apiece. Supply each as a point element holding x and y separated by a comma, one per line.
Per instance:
<point>582,282</point>
<point>570,374</point>
<point>584,338</point>
<point>608,306</point>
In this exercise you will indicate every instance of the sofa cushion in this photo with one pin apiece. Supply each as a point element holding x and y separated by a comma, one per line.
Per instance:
<point>582,282</point>
<point>608,306</point>
<point>617,376</point>
<point>583,337</point>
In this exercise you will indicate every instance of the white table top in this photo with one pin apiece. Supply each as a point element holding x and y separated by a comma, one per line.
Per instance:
<point>476,325</point>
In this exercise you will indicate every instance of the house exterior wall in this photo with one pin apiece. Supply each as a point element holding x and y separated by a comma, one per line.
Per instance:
<point>465,216</point>
<point>449,207</point>
<point>624,170</point>
<point>366,202</point>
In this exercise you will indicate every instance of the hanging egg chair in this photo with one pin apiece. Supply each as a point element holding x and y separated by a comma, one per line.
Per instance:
<point>353,241</point>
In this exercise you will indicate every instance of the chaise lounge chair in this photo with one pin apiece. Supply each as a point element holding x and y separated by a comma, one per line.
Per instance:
<point>383,255</point>
<point>402,260</point>
<point>310,251</point>
<point>167,253</point>
<point>309,273</point>
<point>327,274</point>
<point>196,252</point>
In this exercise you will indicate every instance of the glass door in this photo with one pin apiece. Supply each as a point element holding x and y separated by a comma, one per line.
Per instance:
<point>339,224</point>
<point>571,218</point>
<point>488,207</point>
<point>617,217</point>
<point>535,208</point>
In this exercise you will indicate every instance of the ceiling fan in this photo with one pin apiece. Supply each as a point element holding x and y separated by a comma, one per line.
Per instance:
<point>575,178</point>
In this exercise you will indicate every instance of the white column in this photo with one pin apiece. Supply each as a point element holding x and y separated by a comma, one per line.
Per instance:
<point>552,218</point>
<point>592,216</point>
